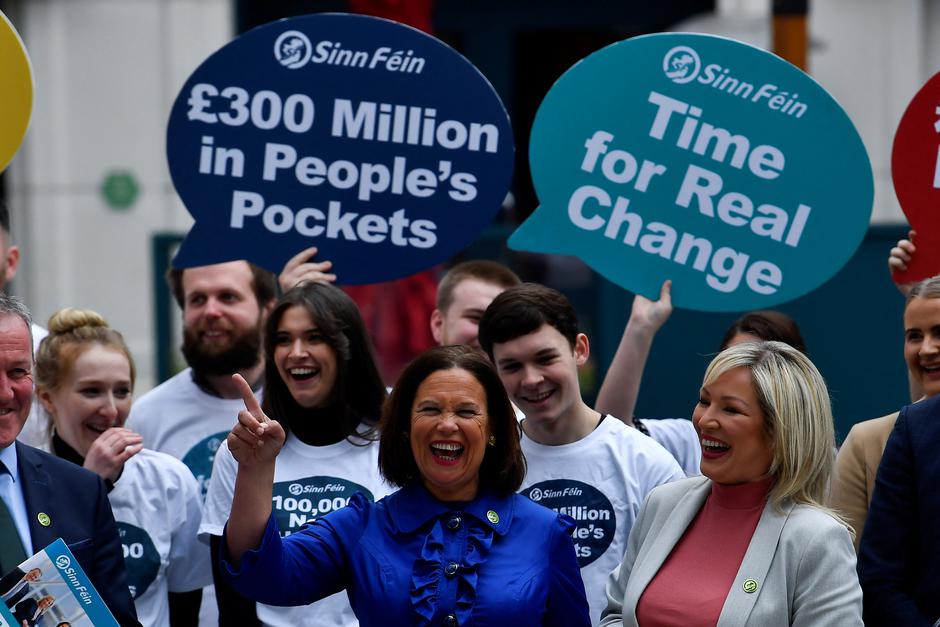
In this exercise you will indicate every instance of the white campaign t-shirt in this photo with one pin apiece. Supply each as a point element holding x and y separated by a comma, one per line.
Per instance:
<point>36,430</point>
<point>309,482</point>
<point>678,436</point>
<point>600,481</point>
<point>158,508</point>
<point>178,418</point>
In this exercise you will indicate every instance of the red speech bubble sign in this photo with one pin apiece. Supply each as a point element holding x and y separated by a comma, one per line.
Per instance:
<point>915,168</point>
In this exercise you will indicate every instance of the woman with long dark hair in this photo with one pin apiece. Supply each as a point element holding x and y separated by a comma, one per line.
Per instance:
<point>323,387</point>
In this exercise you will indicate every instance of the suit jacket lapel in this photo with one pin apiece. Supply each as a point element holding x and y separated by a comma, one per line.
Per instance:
<point>36,493</point>
<point>650,561</point>
<point>756,564</point>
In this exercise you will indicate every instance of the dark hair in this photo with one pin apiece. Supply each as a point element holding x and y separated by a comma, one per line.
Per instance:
<point>4,217</point>
<point>503,467</point>
<point>359,392</point>
<point>524,309</point>
<point>481,270</point>
<point>263,284</point>
<point>769,326</point>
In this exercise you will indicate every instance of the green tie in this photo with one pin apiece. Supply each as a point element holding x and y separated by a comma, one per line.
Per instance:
<point>11,546</point>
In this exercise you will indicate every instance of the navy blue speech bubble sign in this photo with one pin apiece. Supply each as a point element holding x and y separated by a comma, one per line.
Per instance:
<point>371,140</point>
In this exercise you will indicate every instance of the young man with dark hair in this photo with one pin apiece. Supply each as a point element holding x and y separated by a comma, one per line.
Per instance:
<point>583,463</point>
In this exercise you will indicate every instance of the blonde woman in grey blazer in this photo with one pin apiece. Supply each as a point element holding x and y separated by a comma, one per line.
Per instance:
<point>799,565</point>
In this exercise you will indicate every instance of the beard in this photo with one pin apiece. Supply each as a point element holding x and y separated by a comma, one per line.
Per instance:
<point>210,360</point>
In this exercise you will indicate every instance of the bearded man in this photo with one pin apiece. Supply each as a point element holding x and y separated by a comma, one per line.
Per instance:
<point>224,307</point>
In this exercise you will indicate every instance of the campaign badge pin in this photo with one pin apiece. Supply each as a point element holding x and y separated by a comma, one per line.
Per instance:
<point>16,85</point>
<point>493,517</point>
<point>369,139</point>
<point>43,519</point>
<point>698,159</point>
<point>750,586</point>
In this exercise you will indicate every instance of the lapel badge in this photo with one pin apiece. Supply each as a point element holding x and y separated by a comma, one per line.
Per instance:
<point>44,519</point>
<point>750,586</point>
<point>493,517</point>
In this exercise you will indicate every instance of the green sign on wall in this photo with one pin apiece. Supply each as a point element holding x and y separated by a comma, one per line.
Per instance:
<point>120,189</point>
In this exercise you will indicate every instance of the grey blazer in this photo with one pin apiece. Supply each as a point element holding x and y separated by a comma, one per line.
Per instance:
<point>802,561</point>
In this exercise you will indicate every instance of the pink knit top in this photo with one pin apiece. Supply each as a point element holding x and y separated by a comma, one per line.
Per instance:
<point>693,583</point>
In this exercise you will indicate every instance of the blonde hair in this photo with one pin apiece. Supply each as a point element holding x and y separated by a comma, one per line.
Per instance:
<point>797,418</point>
<point>71,332</point>
<point>927,288</point>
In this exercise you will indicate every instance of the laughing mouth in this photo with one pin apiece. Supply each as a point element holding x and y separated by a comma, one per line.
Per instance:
<point>539,397</point>
<point>303,374</point>
<point>714,446</point>
<point>447,451</point>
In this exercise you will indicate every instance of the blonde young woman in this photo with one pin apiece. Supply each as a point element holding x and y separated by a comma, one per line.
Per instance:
<point>84,377</point>
<point>860,455</point>
<point>750,542</point>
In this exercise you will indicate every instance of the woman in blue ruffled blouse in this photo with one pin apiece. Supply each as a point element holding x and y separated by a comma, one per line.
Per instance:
<point>455,546</point>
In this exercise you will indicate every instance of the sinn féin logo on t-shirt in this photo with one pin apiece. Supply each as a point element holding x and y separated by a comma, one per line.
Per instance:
<point>140,558</point>
<point>591,510</point>
<point>200,457</point>
<point>301,501</point>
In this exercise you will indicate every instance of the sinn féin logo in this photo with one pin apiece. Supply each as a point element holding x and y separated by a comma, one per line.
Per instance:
<point>292,49</point>
<point>63,562</point>
<point>681,64</point>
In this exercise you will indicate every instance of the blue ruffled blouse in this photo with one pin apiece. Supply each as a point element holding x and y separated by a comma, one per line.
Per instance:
<point>410,559</point>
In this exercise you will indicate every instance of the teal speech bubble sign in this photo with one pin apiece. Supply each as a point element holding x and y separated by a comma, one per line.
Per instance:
<point>702,160</point>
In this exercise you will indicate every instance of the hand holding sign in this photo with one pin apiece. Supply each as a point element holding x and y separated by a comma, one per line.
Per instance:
<point>256,439</point>
<point>650,315</point>
<point>915,169</point>
<point>703,160</point>
<point>371,140</point>
<point>900,257</point>
<point>301,268</point>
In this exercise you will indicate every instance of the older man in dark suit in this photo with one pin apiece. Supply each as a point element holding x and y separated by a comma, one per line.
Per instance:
<point>42,497</point>
<point>899,559</point>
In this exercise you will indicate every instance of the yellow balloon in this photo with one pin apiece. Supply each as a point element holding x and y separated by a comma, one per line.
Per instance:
<point>16,85</point>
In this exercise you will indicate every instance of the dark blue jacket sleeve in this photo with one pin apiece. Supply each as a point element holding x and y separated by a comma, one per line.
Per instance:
<point>567,604</point>
<point>888,553</point>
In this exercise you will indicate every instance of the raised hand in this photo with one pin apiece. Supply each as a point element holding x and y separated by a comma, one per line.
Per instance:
<point>651,315</point>
<point>256,439</point>
<point>107,454</point>
<point>900,256</point>
<point>300,269</point>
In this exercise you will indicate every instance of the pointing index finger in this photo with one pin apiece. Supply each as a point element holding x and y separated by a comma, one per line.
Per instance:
<point>251,403</point>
